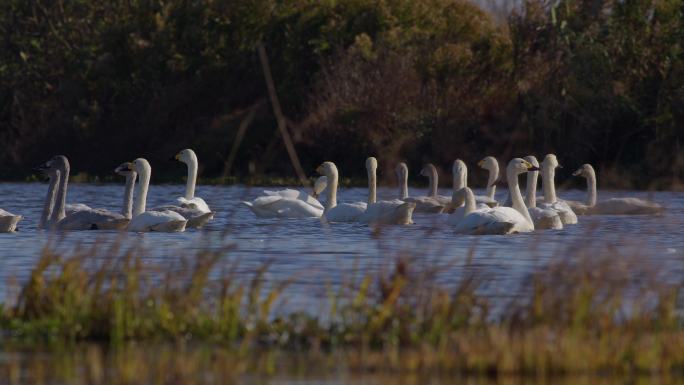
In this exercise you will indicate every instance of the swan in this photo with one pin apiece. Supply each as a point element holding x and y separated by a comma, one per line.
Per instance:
<point>456,207</point>
<point>551,202</point>
<point>344,212</point>
<point>189,157</point>
<point>432,203</point>
<point>289,203</point>
<point>542,218</point>
<point>54,213</point>
<point>8,221</point>
<point>459,167</point>
<point>498,220</point>
<point>144,221</point>
<point>490,164</point>
<point>612,206</point>
<point>394,212</point>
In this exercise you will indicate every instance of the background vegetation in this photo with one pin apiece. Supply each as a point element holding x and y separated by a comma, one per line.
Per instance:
<point>596,81</point>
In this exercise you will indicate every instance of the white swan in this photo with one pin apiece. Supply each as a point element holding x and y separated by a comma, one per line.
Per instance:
<point>289,203</point>
<point>498,220</point>
<point>54,213</point>
<point>8,221</point>
<point>456,207</point>
<point>490,164</point>
<point>189,157</point>
<point>144,221</point>
<point>542,218</point>
<point>392,212</point>
<point>459,167</point>
<point>343,212</point>
<point>612,206</point>
<point>432,203</point>
<point>549,165</point>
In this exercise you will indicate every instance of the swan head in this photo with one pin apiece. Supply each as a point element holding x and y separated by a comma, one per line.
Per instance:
<point>327,168</point>
<point>140,166</point>
<point>585,171</point>
<point>186,156</point>
<point>371,164</point>
<point>551,161</point>
<point>320,185</point>
<point>124,169</point>
<point>532,159</point>
<point>489,163</point>
<point>56,163</point>
<point>459,167</point>
<point>520,166</point>
<point>428,170</point>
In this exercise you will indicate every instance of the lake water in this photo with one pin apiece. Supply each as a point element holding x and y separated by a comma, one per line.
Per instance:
<point>313,254</point>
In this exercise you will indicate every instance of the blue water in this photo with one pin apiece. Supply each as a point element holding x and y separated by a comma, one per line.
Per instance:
<point>314,255</point>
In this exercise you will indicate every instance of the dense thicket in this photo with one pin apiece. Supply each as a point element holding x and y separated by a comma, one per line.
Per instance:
<point>421,80</point>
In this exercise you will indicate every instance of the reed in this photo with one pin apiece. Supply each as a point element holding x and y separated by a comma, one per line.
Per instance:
<point>585,314</point>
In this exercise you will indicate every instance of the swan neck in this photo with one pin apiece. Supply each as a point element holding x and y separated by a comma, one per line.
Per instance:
<point>469,202</point>
<point>548,184</point>
<point>491,181</point>
<point>531,189</point>
<point>591,189</point>
<point>127,208</point>
<point>192,179</point>
<point>458,179</point>
<point>372,186</point>
<point>403,186</point>
<point>59,211</point>
<point>49,201</point>
<point>433,181</point>
<point>516,197</point>
<point>459,184</point>
<point>332,190</point>
<point>141,196</point>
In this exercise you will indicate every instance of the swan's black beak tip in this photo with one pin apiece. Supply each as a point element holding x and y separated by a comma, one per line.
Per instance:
<point>533,168</point>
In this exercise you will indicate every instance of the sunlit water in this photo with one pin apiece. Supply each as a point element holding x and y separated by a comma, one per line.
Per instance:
<point>314,255</point>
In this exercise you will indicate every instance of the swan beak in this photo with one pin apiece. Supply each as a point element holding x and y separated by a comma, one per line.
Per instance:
<point>559,166</point>
<point>123,167</point>
<point>175,157</point>
<point>577,173</point>
<point>533,168</point>
<point>480,163</point>
<point>320,170</point>
<point>41,168</point>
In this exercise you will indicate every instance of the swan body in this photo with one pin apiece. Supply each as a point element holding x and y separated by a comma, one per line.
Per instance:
<point>71,208</point>
<point>498,220</point>
<point>391,212</point>
<point>551,202</point>
<point>101,219</point>
<point>8,221</point>
<point>83,218</point>
<point>612,206</point>
<point>289,203</point>
<point>432,203</point>
<point>189,200</point>
<point>145,221</point>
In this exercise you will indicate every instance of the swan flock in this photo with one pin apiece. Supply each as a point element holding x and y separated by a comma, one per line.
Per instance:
<point>462,210</point>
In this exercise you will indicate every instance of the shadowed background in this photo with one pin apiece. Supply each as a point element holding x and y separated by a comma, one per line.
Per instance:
<point>422,80</point>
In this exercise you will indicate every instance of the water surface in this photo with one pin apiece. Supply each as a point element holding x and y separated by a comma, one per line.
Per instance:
<point>315,254</point>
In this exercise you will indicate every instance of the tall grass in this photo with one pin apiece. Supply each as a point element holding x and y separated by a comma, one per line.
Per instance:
<point>585,314</point>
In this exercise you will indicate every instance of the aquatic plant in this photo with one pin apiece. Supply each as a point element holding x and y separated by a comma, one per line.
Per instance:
<point>586,313</point>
